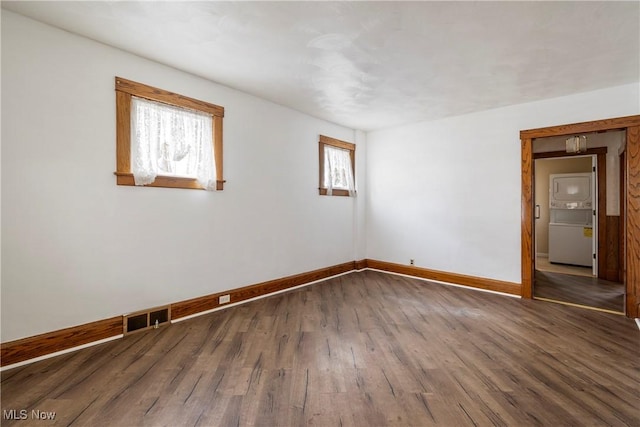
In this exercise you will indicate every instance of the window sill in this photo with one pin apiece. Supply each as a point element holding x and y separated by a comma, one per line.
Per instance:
<point>335,192</point>
<point>123,178</point>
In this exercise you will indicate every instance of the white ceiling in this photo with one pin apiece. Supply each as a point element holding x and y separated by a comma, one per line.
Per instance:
<point>370,65</point>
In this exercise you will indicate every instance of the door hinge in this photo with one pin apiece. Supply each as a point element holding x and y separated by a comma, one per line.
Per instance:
<point>594,168</point>
<point>594,256</point>
<point>594,212</point>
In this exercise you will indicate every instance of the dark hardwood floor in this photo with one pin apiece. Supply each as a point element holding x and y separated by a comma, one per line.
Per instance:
<point>363,349</point>
<point>581,290</point>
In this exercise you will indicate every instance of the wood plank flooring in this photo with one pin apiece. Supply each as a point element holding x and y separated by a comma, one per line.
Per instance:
<point>587,291</point>
<point>363,349</point>
<point>543,264</point>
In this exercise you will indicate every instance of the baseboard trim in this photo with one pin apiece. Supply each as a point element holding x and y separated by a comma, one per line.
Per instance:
<point>59,353</point>
<point>443,276</point>
<point>210,302</point>
<point>27,350</point>
<point>53,343</point>
<point>233,304</point>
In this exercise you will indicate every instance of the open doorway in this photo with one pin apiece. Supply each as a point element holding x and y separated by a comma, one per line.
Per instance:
<point>628,220</point>
<point>578,258</point>
<point>576,228</point>
<point>565,208</point>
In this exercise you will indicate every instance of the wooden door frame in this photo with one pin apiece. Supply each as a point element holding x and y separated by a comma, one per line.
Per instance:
<point>630,207</point>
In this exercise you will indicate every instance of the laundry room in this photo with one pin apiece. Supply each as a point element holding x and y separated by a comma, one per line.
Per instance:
<point>565,220</point>
<point>605,185</point>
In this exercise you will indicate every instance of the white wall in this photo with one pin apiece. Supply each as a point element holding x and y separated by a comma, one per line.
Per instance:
<point>78,248</point>
<point>360,243</point>
<point>447,192</point>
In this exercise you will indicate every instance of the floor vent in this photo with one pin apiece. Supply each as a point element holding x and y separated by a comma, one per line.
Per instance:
<point>146,319</point>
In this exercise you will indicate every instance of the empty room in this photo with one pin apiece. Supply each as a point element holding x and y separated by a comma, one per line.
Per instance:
<point>320,213</point>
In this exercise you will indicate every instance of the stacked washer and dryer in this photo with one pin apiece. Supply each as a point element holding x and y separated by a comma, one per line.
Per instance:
<point>571,219</point>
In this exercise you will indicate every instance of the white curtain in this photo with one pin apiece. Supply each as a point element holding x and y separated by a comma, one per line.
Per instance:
<point>338,173</point>
<point>173,141</point>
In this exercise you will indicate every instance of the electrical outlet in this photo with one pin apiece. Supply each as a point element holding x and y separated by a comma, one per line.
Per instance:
<point>411,261</point>
<point>224,299</point>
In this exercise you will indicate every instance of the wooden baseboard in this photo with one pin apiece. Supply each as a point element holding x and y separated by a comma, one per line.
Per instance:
<point>209,302</point>
<point>361,265</point>
<point>443,276</point>
<point>64,339</point>
<point>51,342</point>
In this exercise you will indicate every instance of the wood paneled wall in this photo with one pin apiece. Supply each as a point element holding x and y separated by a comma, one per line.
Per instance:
<point>633,220</point>
<point>611,261</point>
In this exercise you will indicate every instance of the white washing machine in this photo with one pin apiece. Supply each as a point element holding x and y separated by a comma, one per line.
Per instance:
<point>571,244</point>
<point>571,219</point>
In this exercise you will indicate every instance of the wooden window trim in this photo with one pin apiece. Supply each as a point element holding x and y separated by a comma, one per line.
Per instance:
<point>325,140</point>
<point>125,89</point>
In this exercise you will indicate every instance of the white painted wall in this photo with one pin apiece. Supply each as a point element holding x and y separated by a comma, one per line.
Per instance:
<point>77,248</point>
<point>360,220</point>
<point>447,192</point>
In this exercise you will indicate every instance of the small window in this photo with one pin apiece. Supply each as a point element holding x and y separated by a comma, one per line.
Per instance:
<point>167,140</point>
<point>337,166</point>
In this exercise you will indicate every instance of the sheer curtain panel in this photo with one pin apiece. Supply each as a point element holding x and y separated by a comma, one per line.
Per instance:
<point>171,141</point>
<point>338,171</point>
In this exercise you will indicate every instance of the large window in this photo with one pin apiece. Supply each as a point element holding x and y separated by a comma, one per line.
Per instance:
<point>337,166</point>
<point>167,140</point>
